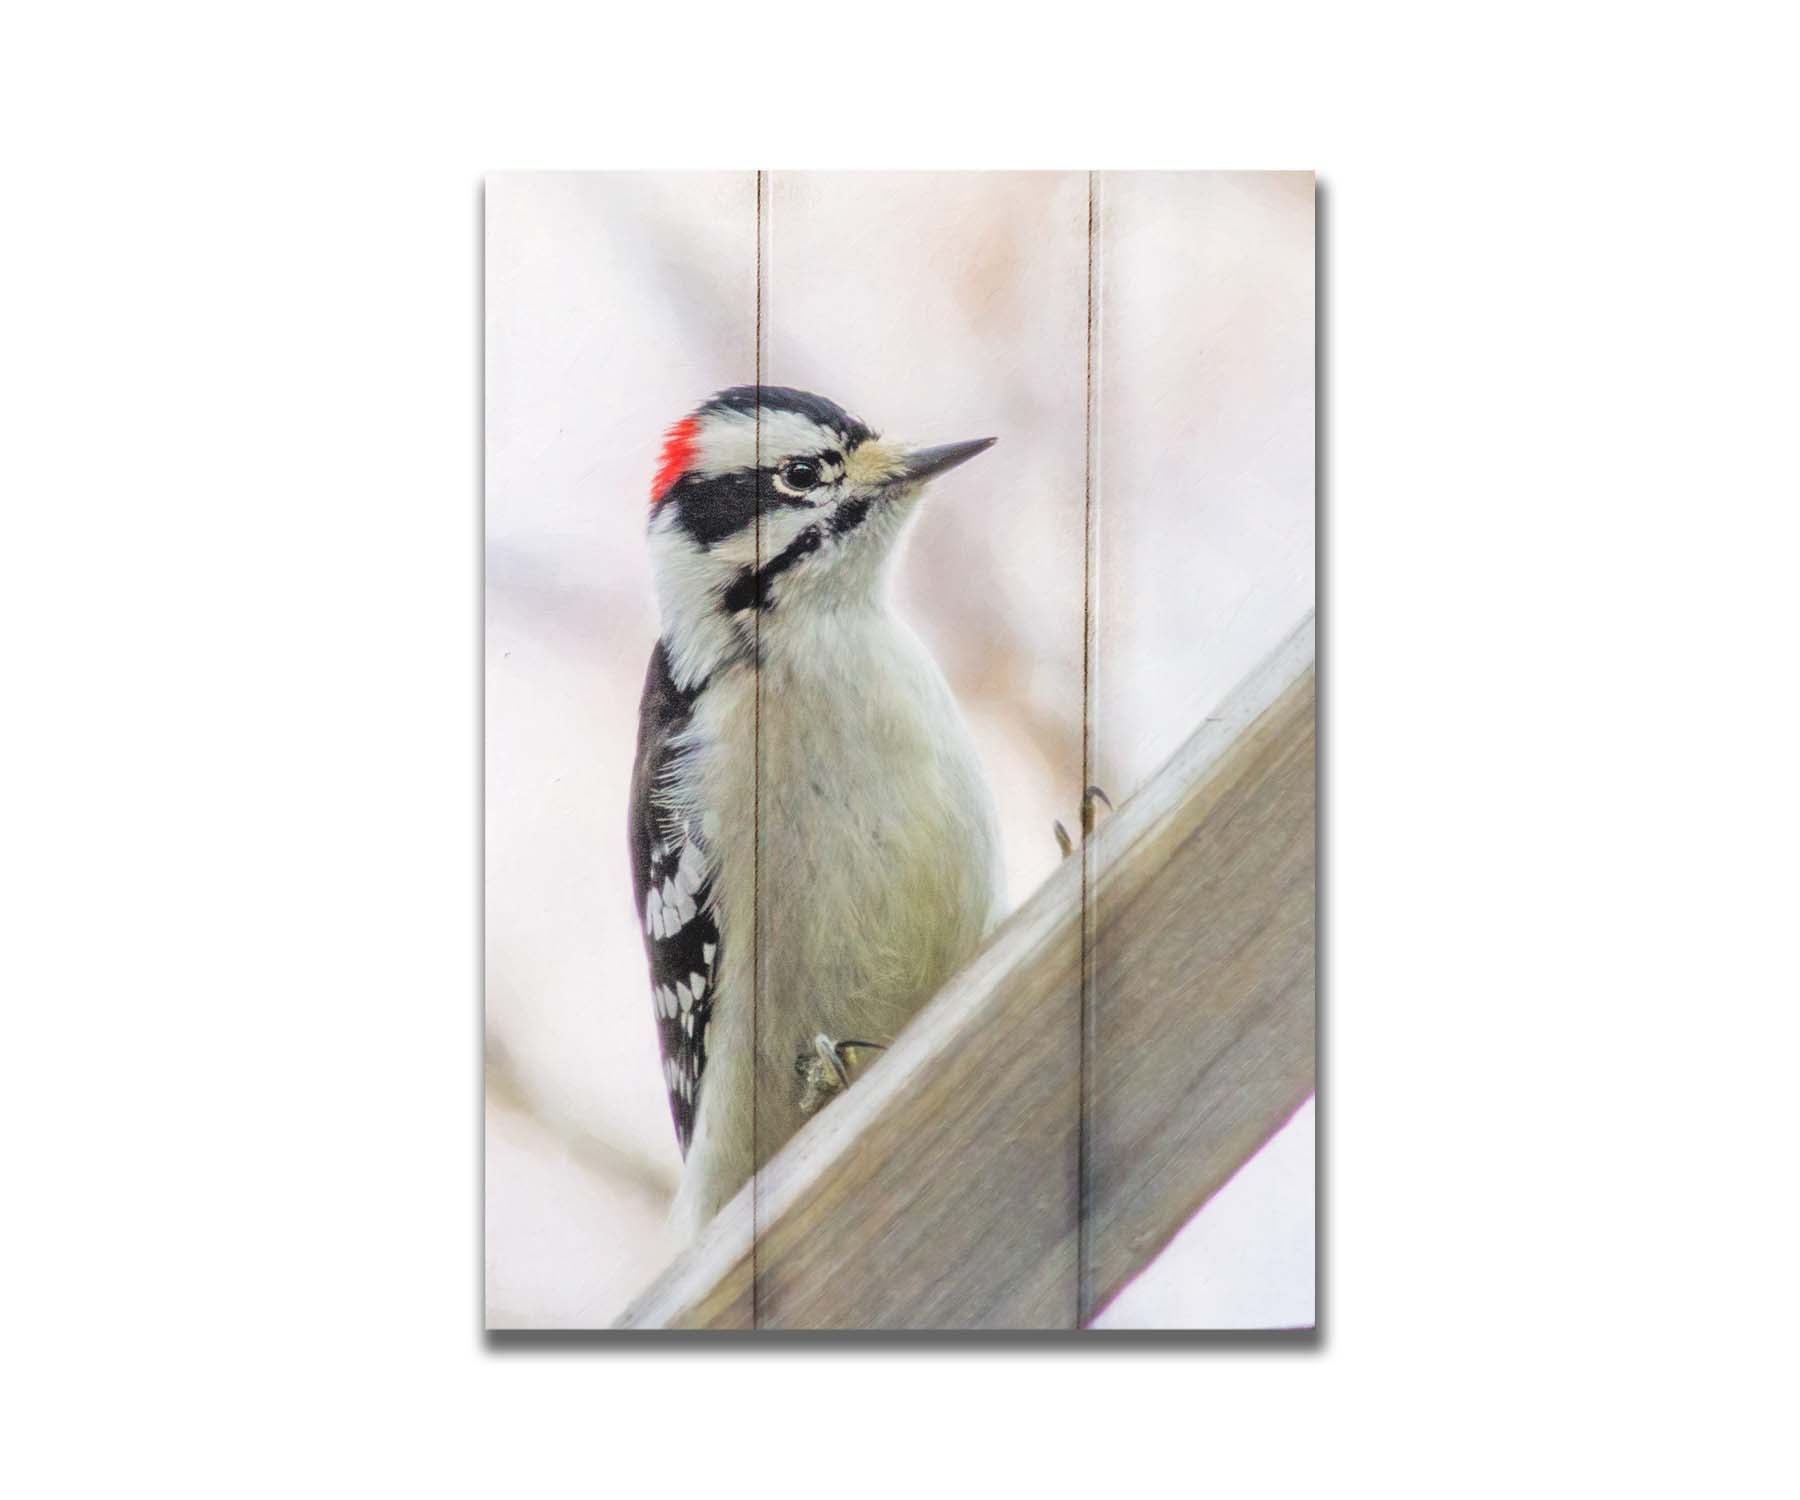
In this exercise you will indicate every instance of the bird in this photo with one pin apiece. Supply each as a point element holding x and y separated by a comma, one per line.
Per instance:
<point>814,843</point>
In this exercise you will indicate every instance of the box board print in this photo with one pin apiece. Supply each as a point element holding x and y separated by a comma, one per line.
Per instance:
<point>900,754</point>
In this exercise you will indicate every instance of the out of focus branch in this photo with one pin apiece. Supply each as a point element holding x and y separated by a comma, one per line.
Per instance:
<point>621,1169</point>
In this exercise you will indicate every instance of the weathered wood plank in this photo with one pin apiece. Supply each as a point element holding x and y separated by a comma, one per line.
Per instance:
<point>988,339</point>
<point>1201,559</point>
<point>1205,957</point>
<point>937,1193</point>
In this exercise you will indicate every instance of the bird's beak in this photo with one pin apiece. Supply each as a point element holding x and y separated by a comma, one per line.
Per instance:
<point>925,463</point>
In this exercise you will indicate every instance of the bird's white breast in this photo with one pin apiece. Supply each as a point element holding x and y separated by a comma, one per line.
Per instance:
<point>861,845</point>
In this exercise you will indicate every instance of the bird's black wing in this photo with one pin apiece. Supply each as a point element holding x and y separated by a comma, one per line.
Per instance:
<point>672,877</point>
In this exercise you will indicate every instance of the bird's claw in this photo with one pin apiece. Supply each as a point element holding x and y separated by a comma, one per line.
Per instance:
<point>827,1068</point>
<point>1089,797</point>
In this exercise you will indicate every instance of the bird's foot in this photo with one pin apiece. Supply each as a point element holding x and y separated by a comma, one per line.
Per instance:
<point>1089,814</point>
<point>827,1068</point>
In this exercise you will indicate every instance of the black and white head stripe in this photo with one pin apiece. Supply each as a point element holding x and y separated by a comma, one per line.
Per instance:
<point>752,586</point>
<point>774,400</point>
<point>752,447</point>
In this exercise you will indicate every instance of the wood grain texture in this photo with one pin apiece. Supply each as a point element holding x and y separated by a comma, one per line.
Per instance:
<point>943,1191</point>
<point>1203,1025</point>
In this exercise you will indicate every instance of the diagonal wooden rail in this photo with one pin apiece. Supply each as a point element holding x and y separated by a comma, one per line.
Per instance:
<point>948,1187</point>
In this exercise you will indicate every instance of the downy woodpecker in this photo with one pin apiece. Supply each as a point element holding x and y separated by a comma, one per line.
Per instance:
<point>813,844</point>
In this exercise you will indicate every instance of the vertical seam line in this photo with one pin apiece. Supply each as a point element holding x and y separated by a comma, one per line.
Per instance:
<point>1084,1141</point>
<point>756,665</point>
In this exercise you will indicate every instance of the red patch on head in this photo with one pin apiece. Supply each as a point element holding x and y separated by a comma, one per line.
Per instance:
<point>677,454</point>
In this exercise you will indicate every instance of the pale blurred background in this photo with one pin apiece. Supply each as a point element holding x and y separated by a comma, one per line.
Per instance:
<point>936,306</point>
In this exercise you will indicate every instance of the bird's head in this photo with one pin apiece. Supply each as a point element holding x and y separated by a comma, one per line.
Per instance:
<point>770,508</point>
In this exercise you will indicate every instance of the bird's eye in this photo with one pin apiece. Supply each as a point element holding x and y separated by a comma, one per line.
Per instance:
<point>801,474</point>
